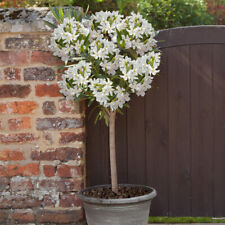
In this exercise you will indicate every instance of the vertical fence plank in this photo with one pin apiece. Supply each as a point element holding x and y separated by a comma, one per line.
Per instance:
<point>156,133</point>
<point>219,129</point>
<point>201,130</point>
<point>179,131</point>
<point>174,139</point>
<point>136,141</point>
<point>97,155</point>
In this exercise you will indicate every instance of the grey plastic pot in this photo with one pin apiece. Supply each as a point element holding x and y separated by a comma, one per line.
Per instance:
<point>128,211</point>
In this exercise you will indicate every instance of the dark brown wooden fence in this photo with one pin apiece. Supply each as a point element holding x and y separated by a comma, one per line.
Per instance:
<point>174,138</point>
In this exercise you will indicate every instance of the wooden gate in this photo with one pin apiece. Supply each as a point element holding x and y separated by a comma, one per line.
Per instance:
<point>174,138</point>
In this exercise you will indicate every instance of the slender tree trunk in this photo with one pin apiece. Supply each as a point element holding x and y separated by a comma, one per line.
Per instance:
<point>112,147</point>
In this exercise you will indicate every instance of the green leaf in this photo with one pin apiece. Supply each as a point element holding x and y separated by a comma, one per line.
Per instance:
<point>119,111</point>
<point>86,40</point>
<point>86,12</point>
<point>119,36</point>
<point>51,25</point>
<point>72,12</point>
<point>106,117</point>
<point>61,14</point>
<point>91,101</point>
<point>55,13</point>
<point>77,59</point>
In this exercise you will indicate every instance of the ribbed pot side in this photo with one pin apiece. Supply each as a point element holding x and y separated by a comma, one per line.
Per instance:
<point>128,211</point>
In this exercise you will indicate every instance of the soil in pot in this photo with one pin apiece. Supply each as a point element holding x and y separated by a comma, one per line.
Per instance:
<point>123,192</point>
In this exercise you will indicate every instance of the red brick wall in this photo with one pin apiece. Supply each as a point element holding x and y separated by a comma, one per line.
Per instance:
<point>41,136</point>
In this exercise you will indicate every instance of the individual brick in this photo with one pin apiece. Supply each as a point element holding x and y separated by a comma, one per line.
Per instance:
<point>3,217</point>
<point>12,73</point>
<point>68,137</point>
<point>61,154</point>
<point>25,43</point>
<point>66,106</point>
<point>63,185</point>
<point>19,202</point>
<point>17,138</point>
<point>68,171</point>
<point>45,155</point>
<point>19,124</point>
<point>58,123</point>
<point>69,200</point>
<point>46,58</point>
<point>68,153</point>
<point>59,217</point>
<point>4,184</point>
<point>23,216</point>
<point>3,108</point>
<point>21,184</point>
<point>11,155</point>
<point>23,107</point>
<point>48,138</point>
<point>52,90</point>
<point>49,170</point>
<point>13,58</point>
<point>14,90</point>
<point>49,201</point>
<point>39,73</point>
<point>49,108</point>
<point>31,169</point>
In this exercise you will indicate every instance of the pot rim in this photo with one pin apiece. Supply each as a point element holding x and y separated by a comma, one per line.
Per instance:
<point>94,200</point>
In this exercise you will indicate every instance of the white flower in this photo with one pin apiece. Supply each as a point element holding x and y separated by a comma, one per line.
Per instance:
<point>117,57</point>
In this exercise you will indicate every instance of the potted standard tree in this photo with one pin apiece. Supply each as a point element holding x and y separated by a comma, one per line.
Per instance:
<point>108,58</point>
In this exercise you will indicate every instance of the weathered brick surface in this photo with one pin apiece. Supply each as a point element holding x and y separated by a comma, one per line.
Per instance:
<point>69,200</point>
<point>25,216</point>
<point>68,137</point>
<point>49,108</point>
<point>24,43</point>
<point>16,90</point>
<point>51,90</point>
<point>12,73</point>
<point>68,106</point>
<point>49,201</point>
<point>4,184</point>
<point>31,169</point>
<point>3,217</point>
<point>58,123</point>
<point>62,185</point>
<point>63,154</point>
<point>59,217</point>
<point>21,184</point>
<point>17,138</point>
<point>23,107</point>
<point>13,58</point>
<point>39,73</point>
<point>11,155</point>
<point>45,58</point>
<point>19,123</point>
<point>41,134</point>
<point>68,171</point>
<point>19,202</point>
<point>49,170</point>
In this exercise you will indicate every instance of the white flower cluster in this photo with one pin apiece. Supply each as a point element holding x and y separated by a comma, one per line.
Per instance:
<point>117,54</point>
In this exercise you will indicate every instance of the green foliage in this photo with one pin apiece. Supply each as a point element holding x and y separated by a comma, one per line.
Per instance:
<point>175,220</point>
<point>41,3</point>
<point>124,6</point>
<point>174,13</point>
